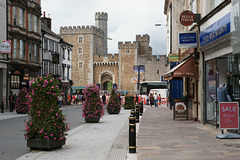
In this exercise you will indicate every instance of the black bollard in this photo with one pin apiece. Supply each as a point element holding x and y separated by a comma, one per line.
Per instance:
<point>133,112</point>
<point>132,134</point>
<point>2,107</point>
<point>141,108</point>
<point>137,113</point>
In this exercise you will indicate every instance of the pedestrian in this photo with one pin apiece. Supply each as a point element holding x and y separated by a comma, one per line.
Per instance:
<point>119,98</point>
<point>151,99</point>
<point>147,99</point>
<point>73,99</point>
<point>83,99</point>
<point>60,101</point>
<point>159,99</point>
<point>79,98</point>
<point>136,99</point>
<point>156,99</point>
<point>104,99</point>
<point>11,101</point>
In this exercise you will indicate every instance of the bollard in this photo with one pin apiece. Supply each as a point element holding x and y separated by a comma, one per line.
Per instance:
<point>141,108</point>
<point>133,112</point>
<point>137,113</point>
<point>132,134</point>
<point>2,107</point>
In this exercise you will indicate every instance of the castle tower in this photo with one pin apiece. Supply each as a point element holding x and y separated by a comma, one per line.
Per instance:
<point>101,19</point>
<point>144,48</point>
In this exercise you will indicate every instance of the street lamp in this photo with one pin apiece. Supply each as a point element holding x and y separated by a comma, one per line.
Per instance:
<point>161,25</point>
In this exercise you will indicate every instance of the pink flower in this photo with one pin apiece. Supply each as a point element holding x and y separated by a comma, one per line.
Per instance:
<point>41,131</point>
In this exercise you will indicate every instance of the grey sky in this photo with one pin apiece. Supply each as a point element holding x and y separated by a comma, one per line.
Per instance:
<point>126,19</point>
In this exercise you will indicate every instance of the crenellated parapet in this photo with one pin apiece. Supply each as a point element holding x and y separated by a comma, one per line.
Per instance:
<point>108,58</point>
<point>143,38</point>
<point>101,16</point>
<point>127,45</point>
<point>75,30</point>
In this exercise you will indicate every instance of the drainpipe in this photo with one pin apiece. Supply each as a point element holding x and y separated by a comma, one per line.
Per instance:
<point>7,75</point>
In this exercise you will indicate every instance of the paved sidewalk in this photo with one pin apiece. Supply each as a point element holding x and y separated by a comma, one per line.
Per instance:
<point>162,138</point>
<point>106,140</point>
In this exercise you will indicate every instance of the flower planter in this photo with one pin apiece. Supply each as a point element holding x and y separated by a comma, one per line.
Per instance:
<point>113,112</point>
<point>92,120</point>
<point>45,145</point>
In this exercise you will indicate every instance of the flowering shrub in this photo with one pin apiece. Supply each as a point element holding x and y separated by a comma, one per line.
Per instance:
<point>114,105</point>
<point>46,121</point>
<point>93,107</point>
<point>23,101</point>
<point>129,102</point>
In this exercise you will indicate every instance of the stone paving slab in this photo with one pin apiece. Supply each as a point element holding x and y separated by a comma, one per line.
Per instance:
<point>162,138</point>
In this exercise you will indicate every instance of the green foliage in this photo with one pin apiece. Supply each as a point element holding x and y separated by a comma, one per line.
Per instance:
<point>46,121</point>
<point>129,102</point>
<point>92,108</point>
<point>23,101</point>
<point>114,105</point>
<point>110,86</point>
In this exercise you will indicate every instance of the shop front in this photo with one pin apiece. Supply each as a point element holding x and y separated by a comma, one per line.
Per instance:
<point>221,63</point>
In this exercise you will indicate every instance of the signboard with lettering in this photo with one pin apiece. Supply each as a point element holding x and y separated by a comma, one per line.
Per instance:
<point>229,116</point>
<point>187,40</point>
<point>5,47</point>
<point>187,18</point>
<point>215,30</point>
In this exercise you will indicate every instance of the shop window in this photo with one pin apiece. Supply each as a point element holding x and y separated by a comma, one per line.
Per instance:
<point>15,81</point>
<point>45,69</point>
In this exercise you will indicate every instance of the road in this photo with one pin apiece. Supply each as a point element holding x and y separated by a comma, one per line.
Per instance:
<point>12,141</point>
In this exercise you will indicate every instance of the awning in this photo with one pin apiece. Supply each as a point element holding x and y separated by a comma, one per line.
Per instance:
<point>78,87</point>
<point>185,69</point>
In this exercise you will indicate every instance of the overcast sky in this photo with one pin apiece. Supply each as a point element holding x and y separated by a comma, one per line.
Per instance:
<point>126,19</point>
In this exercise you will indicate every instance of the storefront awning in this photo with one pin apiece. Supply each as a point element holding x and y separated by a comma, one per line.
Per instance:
<point>78,87</point>
<point>185,69</point>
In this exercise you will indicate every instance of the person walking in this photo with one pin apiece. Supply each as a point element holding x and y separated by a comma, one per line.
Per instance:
<point>11,101</point>
<point>147,99</point>
<point>136,99</point>
<point>104,99</point>
<point>151,99</point>
<point>60,101</point>
<point>156,99</point>
<point>159,99</point>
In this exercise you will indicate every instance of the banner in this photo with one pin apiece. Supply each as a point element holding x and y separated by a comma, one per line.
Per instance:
<point>141,70</point>
<point>173,57</point>
<point>5,47</point>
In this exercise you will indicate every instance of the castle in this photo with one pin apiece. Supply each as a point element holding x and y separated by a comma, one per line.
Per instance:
<point>91,64</point>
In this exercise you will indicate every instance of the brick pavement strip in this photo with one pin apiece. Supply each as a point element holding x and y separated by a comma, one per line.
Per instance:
<point>162,138</point>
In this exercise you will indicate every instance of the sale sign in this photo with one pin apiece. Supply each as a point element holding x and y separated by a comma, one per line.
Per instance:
<point>229,117</point>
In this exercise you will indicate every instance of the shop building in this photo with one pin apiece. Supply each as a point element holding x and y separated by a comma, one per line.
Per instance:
<point>219,42</point>
<point>3,53</point>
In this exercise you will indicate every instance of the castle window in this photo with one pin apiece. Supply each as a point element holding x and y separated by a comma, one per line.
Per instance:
<point>80,50</point>
<point>80,39</point>
<point>127,50</point>
<point>157,71</point>
<point>80,65</point>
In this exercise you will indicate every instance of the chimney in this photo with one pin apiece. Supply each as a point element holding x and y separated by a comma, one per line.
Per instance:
<point>47,21</point>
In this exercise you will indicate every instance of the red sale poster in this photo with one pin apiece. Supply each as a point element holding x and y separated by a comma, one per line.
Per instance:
<point>229,117</point>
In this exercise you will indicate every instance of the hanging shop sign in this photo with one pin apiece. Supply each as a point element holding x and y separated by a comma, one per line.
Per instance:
<point>174,57</point>
<point>229,116</point>
<point>187,18</point>
<point>215,31</point>
<point>5,47</point>
<point>187,40</point>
